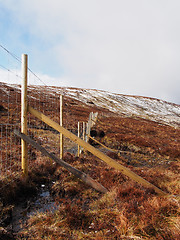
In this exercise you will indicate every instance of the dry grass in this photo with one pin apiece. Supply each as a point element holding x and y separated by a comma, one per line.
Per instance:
<point>128,210</point>
<point>151,136</point>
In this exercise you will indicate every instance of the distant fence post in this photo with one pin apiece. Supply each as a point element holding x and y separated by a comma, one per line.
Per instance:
<point>61,124</point>
<point>83,133</point>
<point>78,154</point>
<point>84,130</point>
<point>24,152</point>
<point>88,127</point>
<point>91,122</point>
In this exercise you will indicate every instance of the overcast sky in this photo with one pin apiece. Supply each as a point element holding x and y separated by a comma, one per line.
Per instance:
<point>122,46</point>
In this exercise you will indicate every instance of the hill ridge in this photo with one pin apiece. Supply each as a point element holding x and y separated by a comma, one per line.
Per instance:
<point>126,105</point>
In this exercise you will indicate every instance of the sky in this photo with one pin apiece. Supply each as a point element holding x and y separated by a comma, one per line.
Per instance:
<point>122,46</point>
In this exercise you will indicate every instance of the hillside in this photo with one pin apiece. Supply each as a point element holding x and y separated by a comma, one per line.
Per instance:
<point>141,133</point>
<point>122,105</point>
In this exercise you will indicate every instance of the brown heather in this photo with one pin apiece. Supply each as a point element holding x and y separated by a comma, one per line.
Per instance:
<point>127,210</point>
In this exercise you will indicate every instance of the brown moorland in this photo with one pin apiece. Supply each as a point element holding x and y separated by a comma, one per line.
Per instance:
<point>127,210</point>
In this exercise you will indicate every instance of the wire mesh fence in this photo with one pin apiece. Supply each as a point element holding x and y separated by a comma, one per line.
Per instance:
<point>45,99</point>
<point>10,105</point>
<point>41,98</point>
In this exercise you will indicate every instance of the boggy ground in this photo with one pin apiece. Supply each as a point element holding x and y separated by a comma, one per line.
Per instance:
<point>128,210</point>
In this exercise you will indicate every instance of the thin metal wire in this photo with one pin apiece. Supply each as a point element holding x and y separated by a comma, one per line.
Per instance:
<point>41,98</point>
<point>19,60</point>
<point>37,77</point>
<point>9,151</point>
<point>10,71</point>
<point>1,149</point>
<point>10,53</point>
<point>13,179</point>
<point>6,149</point>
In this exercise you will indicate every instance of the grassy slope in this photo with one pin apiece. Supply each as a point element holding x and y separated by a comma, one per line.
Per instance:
<point>127,211</point>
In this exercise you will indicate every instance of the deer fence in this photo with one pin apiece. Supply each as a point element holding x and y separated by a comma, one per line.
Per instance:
<point>45,99</point>
<point>42,122</point>
<point>40,97</point>
<point>10,102</point>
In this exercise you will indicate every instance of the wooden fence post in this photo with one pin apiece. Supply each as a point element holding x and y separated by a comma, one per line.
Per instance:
<point>83,134</point>
<point>78,137</point>
<point>95,151</point>
<point>61,124</point>
<point>81,175</point>
<point>84,126</point>
<point>24,152</point>
<point>88,127</point>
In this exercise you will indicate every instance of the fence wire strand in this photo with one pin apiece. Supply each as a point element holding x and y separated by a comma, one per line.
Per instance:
<point>10,154</point>
<point>41,97</point>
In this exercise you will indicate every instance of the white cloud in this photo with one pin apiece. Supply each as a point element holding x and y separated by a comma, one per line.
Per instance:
<point>127,46</point>
<point>14,76</point>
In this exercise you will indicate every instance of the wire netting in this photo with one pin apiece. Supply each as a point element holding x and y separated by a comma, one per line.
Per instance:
<point>41,99</point>
<point>45,99</point>
<point>10,105</point>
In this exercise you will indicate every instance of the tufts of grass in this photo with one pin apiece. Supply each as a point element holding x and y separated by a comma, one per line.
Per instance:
<point>127,211</point>
<point>115,215</point>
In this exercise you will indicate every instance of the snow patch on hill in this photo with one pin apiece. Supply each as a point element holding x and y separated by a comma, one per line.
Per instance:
<point>131,106</point>
<point>126,105</point>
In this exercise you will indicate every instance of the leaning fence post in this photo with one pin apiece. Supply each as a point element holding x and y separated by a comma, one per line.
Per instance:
<point>24,152</point>
<point>61,124</point>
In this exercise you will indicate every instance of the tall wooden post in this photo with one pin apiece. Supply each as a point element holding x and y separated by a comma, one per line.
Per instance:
<point>61,124</point>
<point>94,151</point>
<point>78,154</point>
<point>24,152</point>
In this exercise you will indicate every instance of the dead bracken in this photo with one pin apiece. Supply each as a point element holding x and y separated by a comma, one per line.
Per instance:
<point>128,210</point>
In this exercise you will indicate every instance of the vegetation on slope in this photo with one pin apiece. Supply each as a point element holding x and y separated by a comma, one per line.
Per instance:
<point>128,210</point>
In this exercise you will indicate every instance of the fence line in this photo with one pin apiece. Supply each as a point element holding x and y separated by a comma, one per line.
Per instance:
<point>10,114</point>
<point>10,164</point>
<point>41,97</point>
<point>94,151</point>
